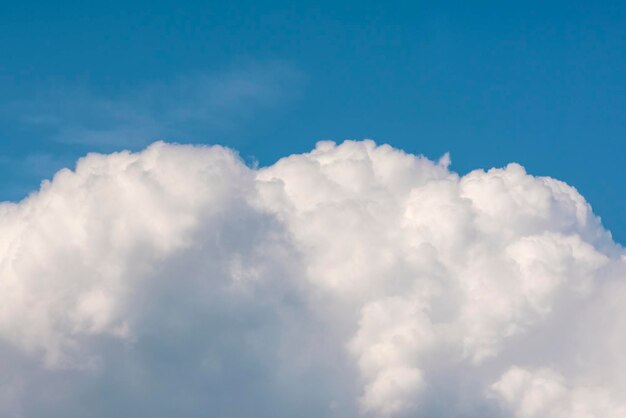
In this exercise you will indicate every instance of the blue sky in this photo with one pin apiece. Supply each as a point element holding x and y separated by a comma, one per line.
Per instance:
<point>539,83</point>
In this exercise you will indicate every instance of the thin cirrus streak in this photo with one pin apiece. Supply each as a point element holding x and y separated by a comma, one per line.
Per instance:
<point>209,101</point>
<point>354,280</point>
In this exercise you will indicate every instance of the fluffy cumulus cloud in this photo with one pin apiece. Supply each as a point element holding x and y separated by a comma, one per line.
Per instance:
<point>354,280</point>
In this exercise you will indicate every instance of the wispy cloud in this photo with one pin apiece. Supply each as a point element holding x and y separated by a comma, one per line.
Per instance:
<point>177,109</point>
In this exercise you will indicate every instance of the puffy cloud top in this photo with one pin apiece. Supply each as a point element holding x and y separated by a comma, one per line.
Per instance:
<point>354,280</point>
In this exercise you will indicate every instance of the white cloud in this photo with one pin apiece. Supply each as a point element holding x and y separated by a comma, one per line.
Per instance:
<point>352,280</point>
<point>544,393</point>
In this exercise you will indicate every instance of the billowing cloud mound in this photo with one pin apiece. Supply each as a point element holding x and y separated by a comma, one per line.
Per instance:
<point>355,280</point>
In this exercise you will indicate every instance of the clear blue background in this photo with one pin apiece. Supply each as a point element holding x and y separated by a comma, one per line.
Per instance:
<point>540,83</point>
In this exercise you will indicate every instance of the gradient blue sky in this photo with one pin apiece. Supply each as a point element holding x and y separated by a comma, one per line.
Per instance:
<point>539,83</point>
